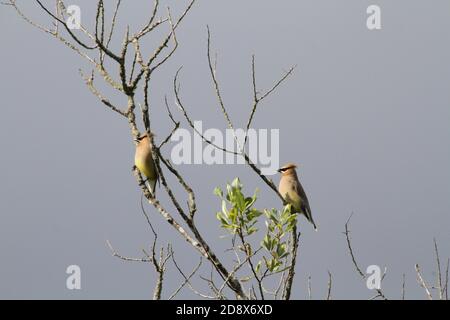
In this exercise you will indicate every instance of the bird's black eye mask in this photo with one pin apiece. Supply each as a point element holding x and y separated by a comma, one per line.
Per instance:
<point>285,169</point>
<point>141,137</point>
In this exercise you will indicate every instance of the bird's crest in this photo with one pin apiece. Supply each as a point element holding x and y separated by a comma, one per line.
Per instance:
<point>289,165</point>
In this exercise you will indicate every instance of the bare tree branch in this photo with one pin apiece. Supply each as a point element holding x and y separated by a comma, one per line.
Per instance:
<point>403,287</point>
<point>358,269</point>
<point>115,254</point>
<point>90,84</point>
<point>423,283</point>
<point>439,274</point>
<point>113,23</point>
<point>236,268</point>
<point>216,86</point>
<point>347,235</point>
<point>330,283</point>
<point>64,24</point>
<point>256,99</point>
<point>160,268</point>
<point>309,288</point>
<point>186,280</point>
<point>446,279</point>
<point>295,236</point>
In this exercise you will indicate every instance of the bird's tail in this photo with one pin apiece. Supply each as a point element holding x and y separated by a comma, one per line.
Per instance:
<point>308,216</point>
<point>151,185</point>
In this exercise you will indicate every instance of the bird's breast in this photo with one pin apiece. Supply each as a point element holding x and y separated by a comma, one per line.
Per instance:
<point>289,193</point>
<point>144,162</point>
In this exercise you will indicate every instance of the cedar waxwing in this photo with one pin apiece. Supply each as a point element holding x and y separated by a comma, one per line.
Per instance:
<point>293,193</point>
<point>144,161</point>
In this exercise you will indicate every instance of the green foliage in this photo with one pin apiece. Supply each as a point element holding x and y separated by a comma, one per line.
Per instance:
<point>239,217</point>
<point>278,225</point>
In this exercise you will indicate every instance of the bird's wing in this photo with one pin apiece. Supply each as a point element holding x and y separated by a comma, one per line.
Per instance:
<point>152,186</point>
<point>305,203</point>
<point>158,179</point>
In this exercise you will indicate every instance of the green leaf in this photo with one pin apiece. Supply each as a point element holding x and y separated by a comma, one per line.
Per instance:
<point>229,192</point>
<point>249,201</point>
<point>236,184</point>
<point>239,199</point>
<point>251,230</point>
<point>218,192</point>
<point>287,208</point>
<point>222,219</point>
<point>273,265</point>
<point>233,215</point>
<point>269,265</point>
<point>231,227</point>
<point>273,217</point>
<point>258,266</point>
<point>281,249</point>
<point>274,243</point>
<point>284,255</point>
<point>224,208</point>
<point>253,213</point>
<point>266,242</point>
<point>276,266</point>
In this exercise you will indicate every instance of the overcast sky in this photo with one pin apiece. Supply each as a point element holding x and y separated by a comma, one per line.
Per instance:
<point>365,114</point>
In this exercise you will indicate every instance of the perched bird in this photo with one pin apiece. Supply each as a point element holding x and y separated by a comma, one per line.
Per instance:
<point>292,191</point>
<point>144,161</point>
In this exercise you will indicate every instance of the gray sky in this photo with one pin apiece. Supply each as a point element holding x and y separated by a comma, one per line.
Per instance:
<point>365,114</point>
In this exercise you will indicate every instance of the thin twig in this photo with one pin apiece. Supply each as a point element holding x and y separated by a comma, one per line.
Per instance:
<point>403,287</point>
<point>180,105</point>
<point>65,26</point>
<point>256,99</point>
<point>358,269</point>
<point>439,274</point>
<point>281,282</point>
<point>216,84</point>
<point>330,282</point>
<point>423,283</point>
<point>291,273</point>
<point>115,254</point>
<point>309,288</point>
<point>113,23</point>
<point>90,84</point>
<point>446,279</point>
<point>176,124</point>
<point>347,235</point>
<point>236,268</point>
<point>246,247</point>
<point>186,280</point>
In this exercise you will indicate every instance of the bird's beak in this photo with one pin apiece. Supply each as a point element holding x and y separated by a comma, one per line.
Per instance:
<point>279,170</point>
